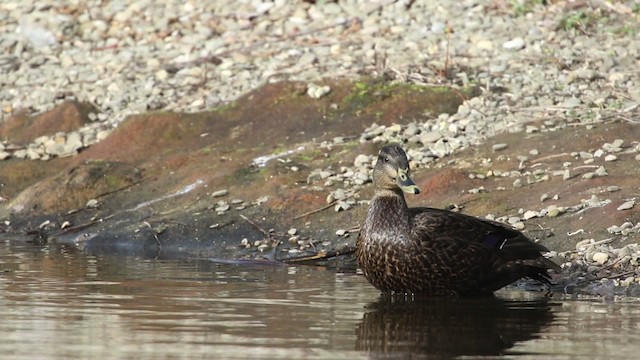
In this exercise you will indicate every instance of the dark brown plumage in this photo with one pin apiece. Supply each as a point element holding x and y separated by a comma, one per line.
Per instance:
<point>437,252</point>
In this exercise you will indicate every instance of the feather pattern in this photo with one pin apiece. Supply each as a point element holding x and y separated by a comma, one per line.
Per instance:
<point>438,252</point>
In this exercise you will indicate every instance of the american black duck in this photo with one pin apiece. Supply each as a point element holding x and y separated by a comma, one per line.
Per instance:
<point>437,252</point>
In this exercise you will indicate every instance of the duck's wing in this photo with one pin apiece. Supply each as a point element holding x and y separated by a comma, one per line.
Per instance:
<point>464,232</point>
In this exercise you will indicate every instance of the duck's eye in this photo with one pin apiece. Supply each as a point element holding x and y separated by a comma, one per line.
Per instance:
<point>385,159</point>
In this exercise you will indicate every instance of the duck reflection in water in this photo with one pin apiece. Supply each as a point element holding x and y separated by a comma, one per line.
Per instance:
<point>446,327</point>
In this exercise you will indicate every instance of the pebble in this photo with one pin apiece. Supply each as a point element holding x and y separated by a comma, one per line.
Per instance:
<point>601,171</point>
<point>600,257</point>
<point>292,231</point>
<point>553,211</point>
<point>627,205</point>
<point>220,193</point>
<point>498,147</point>
<point>315,92</point>
<point>529,215</point>
<point>514,44</point>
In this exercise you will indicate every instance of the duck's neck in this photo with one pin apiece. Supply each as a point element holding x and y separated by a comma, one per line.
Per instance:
<point>388,217</point>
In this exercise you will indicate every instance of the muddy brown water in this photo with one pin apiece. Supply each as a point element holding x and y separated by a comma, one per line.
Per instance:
<point>60,303</point>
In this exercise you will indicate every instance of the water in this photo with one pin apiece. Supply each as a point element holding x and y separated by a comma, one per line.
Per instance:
<point>58,303</point>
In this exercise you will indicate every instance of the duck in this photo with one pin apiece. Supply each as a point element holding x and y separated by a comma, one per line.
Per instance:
<point>436,252</point>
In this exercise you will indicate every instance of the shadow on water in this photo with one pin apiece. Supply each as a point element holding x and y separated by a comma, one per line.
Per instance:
<point>449,327</point>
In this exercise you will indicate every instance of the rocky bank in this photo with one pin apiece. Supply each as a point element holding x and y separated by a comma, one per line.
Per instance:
<point>204,130</point>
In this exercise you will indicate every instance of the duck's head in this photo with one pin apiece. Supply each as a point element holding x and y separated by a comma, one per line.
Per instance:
<point>392,170</point>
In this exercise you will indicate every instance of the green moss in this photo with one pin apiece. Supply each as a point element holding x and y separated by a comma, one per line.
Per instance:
<point>113,182</point>
<point>225,107</point>
<point>522,7</point>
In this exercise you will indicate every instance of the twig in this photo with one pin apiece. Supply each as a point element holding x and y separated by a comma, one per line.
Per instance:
<point>82,226</point>
<point>585,281</point>
<point>535,161</point>
<point>120,189</point>
<point>154,233</point>
<point>321,255</point>
<point>263,231</point>
<point>316,210</point>
<point>446,59</point>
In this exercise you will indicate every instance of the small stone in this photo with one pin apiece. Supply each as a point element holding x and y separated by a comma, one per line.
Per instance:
<point>570,103</point>
<point>222,208</point>
<point>220,193</point>
<point>585,155</point>
<point>292,231</point>
<point>513,219</point>
<point>341,232</point>
<point>92,204</point>
<point>600,257</point>
<point>316,92</point>
<point>294,239</point>
<point>613,188</point>
<point>514,44</point>
<point>430,137</point>
<point>544,197</point>
<point>552,211</point>
<point>342,206</point>
<point>610,157</point>
<point>517,183</point>
<point>362,160</point>
<point>601,171</point>
<point>499,147</point>
<point>529,215</point>
<point>627,205</point>
<point>566,175</point>
<point>519,225</point>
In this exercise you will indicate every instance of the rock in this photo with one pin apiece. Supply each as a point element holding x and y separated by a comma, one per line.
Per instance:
<point>362,160</point>
<point>514,44</point>
<point>292,231</point>
<point>600,257</point>
<point>498,147</point>
<point>627,205</point>
<point>220,193</point>
<point>601,171</point>
<point>315,92</point>
<point>570,103</point>
<point>529,215</point>
<point>430,137</point>
<point>552,211</point>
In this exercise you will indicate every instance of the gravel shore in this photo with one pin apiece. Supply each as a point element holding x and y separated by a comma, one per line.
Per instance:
<point>564,59</point>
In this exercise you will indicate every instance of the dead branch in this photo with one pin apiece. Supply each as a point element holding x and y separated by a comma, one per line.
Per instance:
<point>321,255</point>
<point>316,210</point>
<point>263,231</point>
